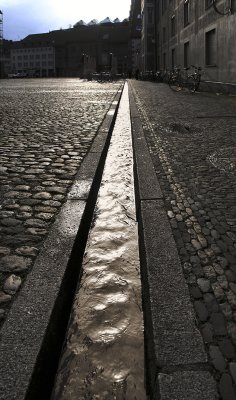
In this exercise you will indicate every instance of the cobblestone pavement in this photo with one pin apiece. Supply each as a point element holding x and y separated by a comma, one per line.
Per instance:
<point>192,141</point>
<point>46,128</point>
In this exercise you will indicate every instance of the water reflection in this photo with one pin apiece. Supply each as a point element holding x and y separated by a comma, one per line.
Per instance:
<point>103,356</point>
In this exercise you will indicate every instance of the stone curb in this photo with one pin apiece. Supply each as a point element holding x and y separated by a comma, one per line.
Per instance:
<point>175,354</point>
<point>33,334</point>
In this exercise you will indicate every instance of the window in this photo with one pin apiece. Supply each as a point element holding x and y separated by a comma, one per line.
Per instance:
<point>164,34</point>
<point>164,60</point>
<point>211,48</point>
<point>173,58</point>
<point>186,54</point>
<point>164,2</point>
<point>150,15</point>
<point>186,12</point>
<point>172,25</point>
<point>158,11</point>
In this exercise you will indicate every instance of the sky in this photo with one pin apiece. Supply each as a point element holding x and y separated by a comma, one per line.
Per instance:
<point>24,17</point>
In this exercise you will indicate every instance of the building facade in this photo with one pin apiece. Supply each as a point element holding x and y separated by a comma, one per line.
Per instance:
<point>73,52</point>
<point>135,37</point>
<point>189,32</point>
<point>33,61</point>
<point>148,38</point>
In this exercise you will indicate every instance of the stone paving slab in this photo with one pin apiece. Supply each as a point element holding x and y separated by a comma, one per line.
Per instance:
<point>191,140</point>
<point>187,385</point>
<point>32,334</point>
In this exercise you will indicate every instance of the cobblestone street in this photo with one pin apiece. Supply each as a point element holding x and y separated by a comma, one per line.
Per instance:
<point>192,141</point>
<point>50,129</point>
<point>46,129</point>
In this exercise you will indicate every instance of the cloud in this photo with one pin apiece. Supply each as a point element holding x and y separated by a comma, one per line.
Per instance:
<point>24,17</point>
<point>13,3</point>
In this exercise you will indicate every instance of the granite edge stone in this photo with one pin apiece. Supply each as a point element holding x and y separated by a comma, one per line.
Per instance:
<point>158,254</point>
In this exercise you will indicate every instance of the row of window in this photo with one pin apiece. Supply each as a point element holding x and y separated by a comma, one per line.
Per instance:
<point>210,52</point>
<point>164,4</point>
<point>33,56</point>
<point>172,31</point>
<point>186,10</point>
<point>32,64</point>
<point>173,22</point>
<point>208,3</point>
<point>32,50</point>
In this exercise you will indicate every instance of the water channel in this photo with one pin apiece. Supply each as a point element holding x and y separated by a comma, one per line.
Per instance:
<point>103,357</point>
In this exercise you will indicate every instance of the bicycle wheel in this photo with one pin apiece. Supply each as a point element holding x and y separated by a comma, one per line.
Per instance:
<point>197,84</point>
<point>174,84</point>
<point>192,84</point>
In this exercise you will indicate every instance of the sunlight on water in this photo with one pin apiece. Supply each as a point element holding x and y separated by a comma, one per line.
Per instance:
<point>104,353</point>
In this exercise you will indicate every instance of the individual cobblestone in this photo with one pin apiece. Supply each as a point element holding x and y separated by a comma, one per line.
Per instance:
<point>4,251</point>
<point>14,263</point>
<point>226,388</point>
<point>12,284</point>
<point>191,166</point>
<point>207,333</point>
<point>27,251</point>
<point>232,368</point>
<point>201,311</point>
<point>217,358</point>
<point>44,139</point>
<point>4,298</point>
<point>2,313</point>
<point>226,310</point>
<point>204,285</point>
<point>218,323</point>
<point>227,349</point>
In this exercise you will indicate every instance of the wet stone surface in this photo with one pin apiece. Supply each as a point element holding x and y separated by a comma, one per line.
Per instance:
<point>196,168</point>
<point>46,129</point>
<point>103,356</point>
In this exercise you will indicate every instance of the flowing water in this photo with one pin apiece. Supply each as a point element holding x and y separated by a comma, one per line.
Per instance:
<point>103,356</point>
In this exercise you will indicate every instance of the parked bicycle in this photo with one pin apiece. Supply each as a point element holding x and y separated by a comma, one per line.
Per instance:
<point>162,76</point>
<point>178,79</point>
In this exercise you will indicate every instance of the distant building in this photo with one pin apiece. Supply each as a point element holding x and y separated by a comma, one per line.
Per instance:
<point>33,61</point>
<point>5,58</point>
<point>187,32</point>
<point>77,51</point>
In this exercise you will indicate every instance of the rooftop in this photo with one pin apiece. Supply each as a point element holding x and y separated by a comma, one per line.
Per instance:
<point>107,20</point>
